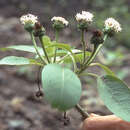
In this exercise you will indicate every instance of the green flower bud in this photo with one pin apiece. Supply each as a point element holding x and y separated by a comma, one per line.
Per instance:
<point>29,27</point>
<point>82,26</point>
<point>58,25</point>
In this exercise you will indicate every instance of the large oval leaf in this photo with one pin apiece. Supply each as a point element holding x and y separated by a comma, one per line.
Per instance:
<point>61,86</point>
<point>116,95</point>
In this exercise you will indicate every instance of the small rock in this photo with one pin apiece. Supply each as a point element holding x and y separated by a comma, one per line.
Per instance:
<point>16,103</point>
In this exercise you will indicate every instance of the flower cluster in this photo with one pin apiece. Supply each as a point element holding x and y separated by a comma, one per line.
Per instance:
<point>28,19</point>
<point>112,24</point>
<point>84,16</point>
<point>60,19</point>
<point>59,23</point>
<point>84,19</point>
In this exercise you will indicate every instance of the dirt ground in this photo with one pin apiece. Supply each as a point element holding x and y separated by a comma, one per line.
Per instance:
<point>19,107</point>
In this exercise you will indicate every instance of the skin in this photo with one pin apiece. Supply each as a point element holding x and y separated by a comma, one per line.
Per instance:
<point>111,122</point>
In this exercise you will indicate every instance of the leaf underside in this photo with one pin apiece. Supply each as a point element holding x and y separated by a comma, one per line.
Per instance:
<point>116,95</point>
<point>14,60</point>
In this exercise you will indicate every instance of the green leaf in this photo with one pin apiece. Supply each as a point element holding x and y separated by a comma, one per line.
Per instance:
<point>105,68</point>
<point>67,48</point>
<point>61,86</point>
<point>62,46</point>
<point>116,95</point>
<point>14,60</point>
<point>46,40</point>
<point>64,52</point>
<point>77,57</point>
<point>26,48</point>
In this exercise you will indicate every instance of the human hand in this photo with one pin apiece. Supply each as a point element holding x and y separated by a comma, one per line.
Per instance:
<point>111,122</point>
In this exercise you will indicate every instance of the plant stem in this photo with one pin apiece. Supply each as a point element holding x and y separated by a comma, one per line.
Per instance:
<point>95,52</point>
<point>81,111</point>
<point>57,36</point>
<point>74,62</point>
<point>92,57</point>
<point>36,48</point>
<point>89,74</point>
<point>60,61</point>
<point>44,50</point>
<point>83,45</point>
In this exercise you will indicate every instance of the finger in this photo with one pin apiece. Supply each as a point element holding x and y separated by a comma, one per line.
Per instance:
<point>105,123</point>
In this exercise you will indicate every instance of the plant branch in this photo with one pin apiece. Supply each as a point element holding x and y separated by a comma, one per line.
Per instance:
<point>89,74</point>
<point>83,45</point>
<point>36,48</point>
<point>92,57</point>
<point>57,36</point>
<point>44,50</point>
<point>81,111</point>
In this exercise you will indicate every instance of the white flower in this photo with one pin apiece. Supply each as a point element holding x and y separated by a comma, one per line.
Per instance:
<point>29,18</point>
<point>60,19</point>
<point>113,24</point>
<point>84,16</point>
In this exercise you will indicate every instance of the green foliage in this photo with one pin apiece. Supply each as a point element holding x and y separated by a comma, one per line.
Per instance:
<point>105,68</point>
<point>13,60</point>
<point>59,53</point>
<point>46,41</point>
<point>27,48</point>
<point>62,46</point>
<point>61,86</point>
<point>116,95</point>
<point>78,57</point>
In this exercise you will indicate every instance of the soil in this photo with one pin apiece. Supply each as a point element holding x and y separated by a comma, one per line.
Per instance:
<point>20,109</point>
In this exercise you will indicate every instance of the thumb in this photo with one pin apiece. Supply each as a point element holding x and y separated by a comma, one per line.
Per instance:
<point>111,122</point>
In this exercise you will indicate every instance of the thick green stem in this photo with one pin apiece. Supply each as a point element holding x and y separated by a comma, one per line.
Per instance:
<point>36,48</point>
<point>83,45</point>
<point>44,50</point>
<point>57,37</point>
<point>92,57</point>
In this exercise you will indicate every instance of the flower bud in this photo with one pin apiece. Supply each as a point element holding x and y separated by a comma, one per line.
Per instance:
<point>97,37</point>
<point>29,27</point>
<point>39,30</point>
<point>39,94</point>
